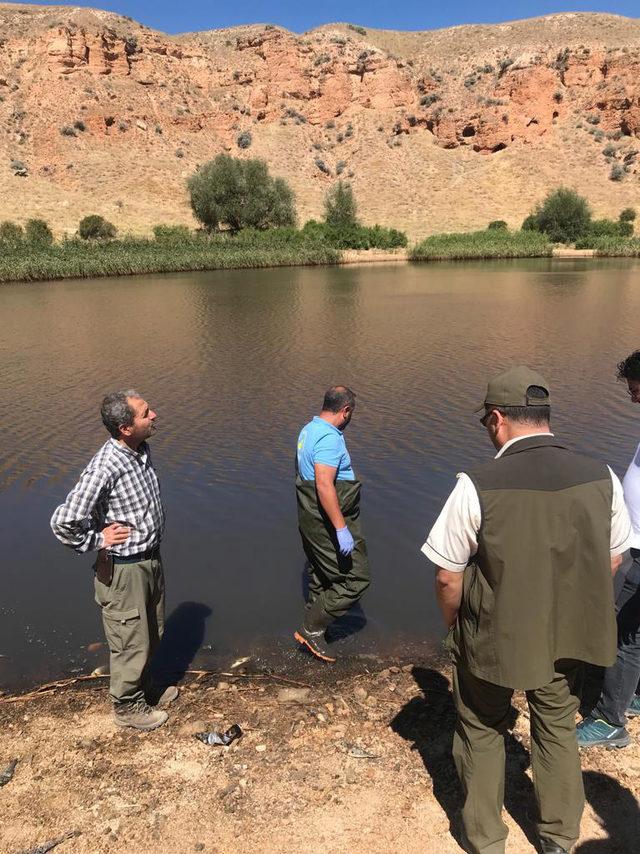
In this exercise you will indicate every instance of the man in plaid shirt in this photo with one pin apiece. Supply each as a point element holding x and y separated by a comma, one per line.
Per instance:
<point>116,509</point>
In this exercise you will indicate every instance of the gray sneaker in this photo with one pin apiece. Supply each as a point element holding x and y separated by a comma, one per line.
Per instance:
<point>138,715</point>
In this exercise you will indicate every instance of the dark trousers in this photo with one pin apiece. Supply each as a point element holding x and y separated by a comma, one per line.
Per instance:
<point>479,754</point>
<point>621,680</point>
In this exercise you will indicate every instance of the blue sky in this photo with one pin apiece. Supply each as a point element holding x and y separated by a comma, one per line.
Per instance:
<point>172,17</point>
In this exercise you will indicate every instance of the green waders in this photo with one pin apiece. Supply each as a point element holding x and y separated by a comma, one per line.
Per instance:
<point>133,618</point>
<point>336,582</point>
<point>479,755</point>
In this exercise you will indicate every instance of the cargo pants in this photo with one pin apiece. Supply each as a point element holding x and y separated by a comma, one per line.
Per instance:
<point>479,754</point>
<point>133,619</point>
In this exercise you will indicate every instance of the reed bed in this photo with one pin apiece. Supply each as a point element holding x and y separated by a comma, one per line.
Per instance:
<point>81,259</point>
<point>611,246</point>
<point>492,243</point>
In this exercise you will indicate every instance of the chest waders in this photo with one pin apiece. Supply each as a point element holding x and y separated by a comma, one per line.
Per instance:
<point>336,581</point>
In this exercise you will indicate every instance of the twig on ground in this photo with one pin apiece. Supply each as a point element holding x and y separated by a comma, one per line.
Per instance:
<point>51,844</point>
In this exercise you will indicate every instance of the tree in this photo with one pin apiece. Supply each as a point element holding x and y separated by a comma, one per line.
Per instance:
<point>628,215</point>
<point>340,209</point>
<point>94,227</point>
<point>563,215</point>
<point>38,233</point>
<point>240,194</point>
<point>11,235</point>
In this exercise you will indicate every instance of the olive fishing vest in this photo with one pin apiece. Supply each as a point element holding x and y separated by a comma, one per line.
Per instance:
<point>539,588</point>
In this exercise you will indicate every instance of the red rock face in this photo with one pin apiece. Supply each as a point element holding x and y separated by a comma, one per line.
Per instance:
<point>87,93</point>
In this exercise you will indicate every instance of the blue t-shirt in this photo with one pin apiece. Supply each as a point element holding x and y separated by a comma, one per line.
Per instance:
<point>321,442</point>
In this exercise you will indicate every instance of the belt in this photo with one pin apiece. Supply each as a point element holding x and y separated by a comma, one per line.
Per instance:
<point>150,554</point>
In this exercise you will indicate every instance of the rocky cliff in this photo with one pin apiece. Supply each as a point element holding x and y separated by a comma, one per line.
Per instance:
<point>436,130</point>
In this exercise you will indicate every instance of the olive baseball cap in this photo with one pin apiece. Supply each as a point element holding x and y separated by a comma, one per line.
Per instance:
<point>510,389</point>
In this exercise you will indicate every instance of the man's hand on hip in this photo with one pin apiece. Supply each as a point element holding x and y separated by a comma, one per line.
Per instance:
<point>346,543</point>
<point>115,534</point>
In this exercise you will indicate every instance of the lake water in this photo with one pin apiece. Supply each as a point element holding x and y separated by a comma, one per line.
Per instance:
<point>234,363</point>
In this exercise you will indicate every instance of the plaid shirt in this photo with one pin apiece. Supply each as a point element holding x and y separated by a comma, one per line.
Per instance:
<point>118,485</point>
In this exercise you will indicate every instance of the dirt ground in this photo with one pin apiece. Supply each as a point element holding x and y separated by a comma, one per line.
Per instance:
<point>358,764</point>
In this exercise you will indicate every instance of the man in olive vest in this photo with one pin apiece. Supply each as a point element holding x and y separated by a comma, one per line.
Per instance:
<point>328,497</point>
<point>525,549</point>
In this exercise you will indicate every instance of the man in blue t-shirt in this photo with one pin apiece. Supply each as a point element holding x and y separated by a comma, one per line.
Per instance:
<point>328,496</point>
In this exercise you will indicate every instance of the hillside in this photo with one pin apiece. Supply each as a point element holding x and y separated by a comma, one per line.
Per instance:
<point>437,130</point>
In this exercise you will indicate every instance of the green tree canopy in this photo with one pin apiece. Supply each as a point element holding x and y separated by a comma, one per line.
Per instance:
<point>95,227</point>
<point>240,194</point>
<point>563,215</point>
<point>38,233</point>
<point>340,209</point>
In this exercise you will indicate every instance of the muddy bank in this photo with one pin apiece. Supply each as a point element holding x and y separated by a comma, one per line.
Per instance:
<point>358,762</point>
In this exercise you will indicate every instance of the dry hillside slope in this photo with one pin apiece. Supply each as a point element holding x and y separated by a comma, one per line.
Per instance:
<point>438,130</point>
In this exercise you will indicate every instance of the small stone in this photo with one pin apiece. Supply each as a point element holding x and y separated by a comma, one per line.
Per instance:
<point>199,846</point>
<point>141,125</point>
<point>222,686</point>
<point>360,693</point>
<point>293,695</point>
<point>407,668</point>
<point>260,748</point>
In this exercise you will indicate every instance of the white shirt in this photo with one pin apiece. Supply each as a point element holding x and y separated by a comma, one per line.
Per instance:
<point>631,486</point>
<point>454,537</point>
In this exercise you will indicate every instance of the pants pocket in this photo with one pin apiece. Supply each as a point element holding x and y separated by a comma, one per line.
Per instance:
<point>120,627</point>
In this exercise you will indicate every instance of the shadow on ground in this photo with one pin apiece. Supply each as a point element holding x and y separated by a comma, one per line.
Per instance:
<point>184,632</point>
<point>619,815</point>
<point>429,722</point>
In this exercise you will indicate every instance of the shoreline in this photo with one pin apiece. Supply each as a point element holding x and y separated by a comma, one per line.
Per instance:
<point>327,761</point>
<point>346,257</point>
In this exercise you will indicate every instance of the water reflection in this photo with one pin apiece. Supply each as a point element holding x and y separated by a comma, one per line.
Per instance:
<point>235,362</point>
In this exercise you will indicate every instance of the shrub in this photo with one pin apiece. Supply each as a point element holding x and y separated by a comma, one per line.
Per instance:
<point>497,224</point>
<point>617,172</point>
<point>340,209</point>
<point>354,236</point>
<point>593,119</point>
<point>610,228</point>
<point>322,166</point>
<point>245,139</point>
<point>360,30</point>
<point>609,151</point>
<point>627,215</point>
<point>67,131</point>
<point>172,233</point>
<point>11,234</point>
<point>428,100</point>
<point>563,215</point>
<point>80,125</point>
<point>38,233</point>
<point>94,227</point>
<point>558,96</point>
<point>240,194</point>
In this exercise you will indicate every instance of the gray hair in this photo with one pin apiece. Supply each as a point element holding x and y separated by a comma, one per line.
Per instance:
<point>116,412</point>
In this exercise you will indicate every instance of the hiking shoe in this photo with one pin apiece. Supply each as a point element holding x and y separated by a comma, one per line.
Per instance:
<point>594,732</point>
<point>634,709</point>
<point>548,846</point>
<point>161,698</point>
<point>315,643</point>
<point>138,715</point>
